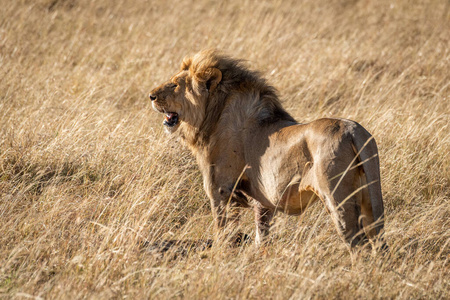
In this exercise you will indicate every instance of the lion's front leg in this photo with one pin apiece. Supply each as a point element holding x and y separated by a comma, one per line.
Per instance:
<point>221,183</point>
<point>263,216</point>
<point>226,212</point>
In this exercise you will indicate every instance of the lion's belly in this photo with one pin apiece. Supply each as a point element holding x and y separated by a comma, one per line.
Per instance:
<point>288,198</point>
<point>295,200</point>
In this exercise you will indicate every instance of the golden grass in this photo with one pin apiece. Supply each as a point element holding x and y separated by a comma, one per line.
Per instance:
<point>87,173</point>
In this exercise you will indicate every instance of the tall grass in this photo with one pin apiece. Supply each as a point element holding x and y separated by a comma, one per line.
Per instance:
<point>87,174</point>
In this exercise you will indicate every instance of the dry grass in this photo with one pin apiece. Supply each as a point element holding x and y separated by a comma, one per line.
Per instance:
<point>87,173</point>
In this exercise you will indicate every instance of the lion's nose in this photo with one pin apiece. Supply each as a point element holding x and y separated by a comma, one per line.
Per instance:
<point>152,97</point>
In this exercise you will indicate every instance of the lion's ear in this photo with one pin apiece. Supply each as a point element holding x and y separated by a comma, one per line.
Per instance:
<point>186,63</point>
<point>213,76</point>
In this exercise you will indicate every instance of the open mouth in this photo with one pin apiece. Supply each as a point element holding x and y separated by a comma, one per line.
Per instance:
<point>170,119</point>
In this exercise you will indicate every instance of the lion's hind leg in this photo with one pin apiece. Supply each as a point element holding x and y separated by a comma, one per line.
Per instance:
<point>342,199</point>
<point>366,217</point>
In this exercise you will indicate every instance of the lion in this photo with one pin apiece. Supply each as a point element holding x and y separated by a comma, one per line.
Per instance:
<point>253,153</point>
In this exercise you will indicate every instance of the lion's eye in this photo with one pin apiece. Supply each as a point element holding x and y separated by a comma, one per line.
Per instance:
<point>174,85</point>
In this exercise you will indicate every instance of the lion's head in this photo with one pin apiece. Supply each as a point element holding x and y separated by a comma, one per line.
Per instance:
<point>194,98</point>
<point>184,97</point>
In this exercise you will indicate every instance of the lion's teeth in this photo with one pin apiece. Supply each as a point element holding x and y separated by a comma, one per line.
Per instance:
<point>169,116</point>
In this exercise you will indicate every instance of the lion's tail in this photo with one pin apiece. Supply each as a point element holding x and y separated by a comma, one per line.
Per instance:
<point>367,150</point>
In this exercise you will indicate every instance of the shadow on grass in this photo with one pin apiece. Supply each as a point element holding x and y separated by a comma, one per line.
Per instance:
<point>184,247</point>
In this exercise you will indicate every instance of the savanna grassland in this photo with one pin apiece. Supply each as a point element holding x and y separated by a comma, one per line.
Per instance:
<point>87,173</point>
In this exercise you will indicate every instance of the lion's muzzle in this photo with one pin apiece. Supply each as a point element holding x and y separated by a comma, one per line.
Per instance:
<point>170,118</point>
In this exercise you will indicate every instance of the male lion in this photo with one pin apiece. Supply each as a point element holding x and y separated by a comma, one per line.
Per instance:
<point>251,152</point>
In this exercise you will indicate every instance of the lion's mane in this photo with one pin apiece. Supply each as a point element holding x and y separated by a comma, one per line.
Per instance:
<point>236,80</point>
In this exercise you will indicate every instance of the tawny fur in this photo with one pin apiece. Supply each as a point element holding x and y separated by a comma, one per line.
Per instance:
<point>252,153</point>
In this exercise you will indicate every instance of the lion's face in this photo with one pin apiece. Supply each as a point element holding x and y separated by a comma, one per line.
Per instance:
<point>175,99</point>
<point>183,99</point>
